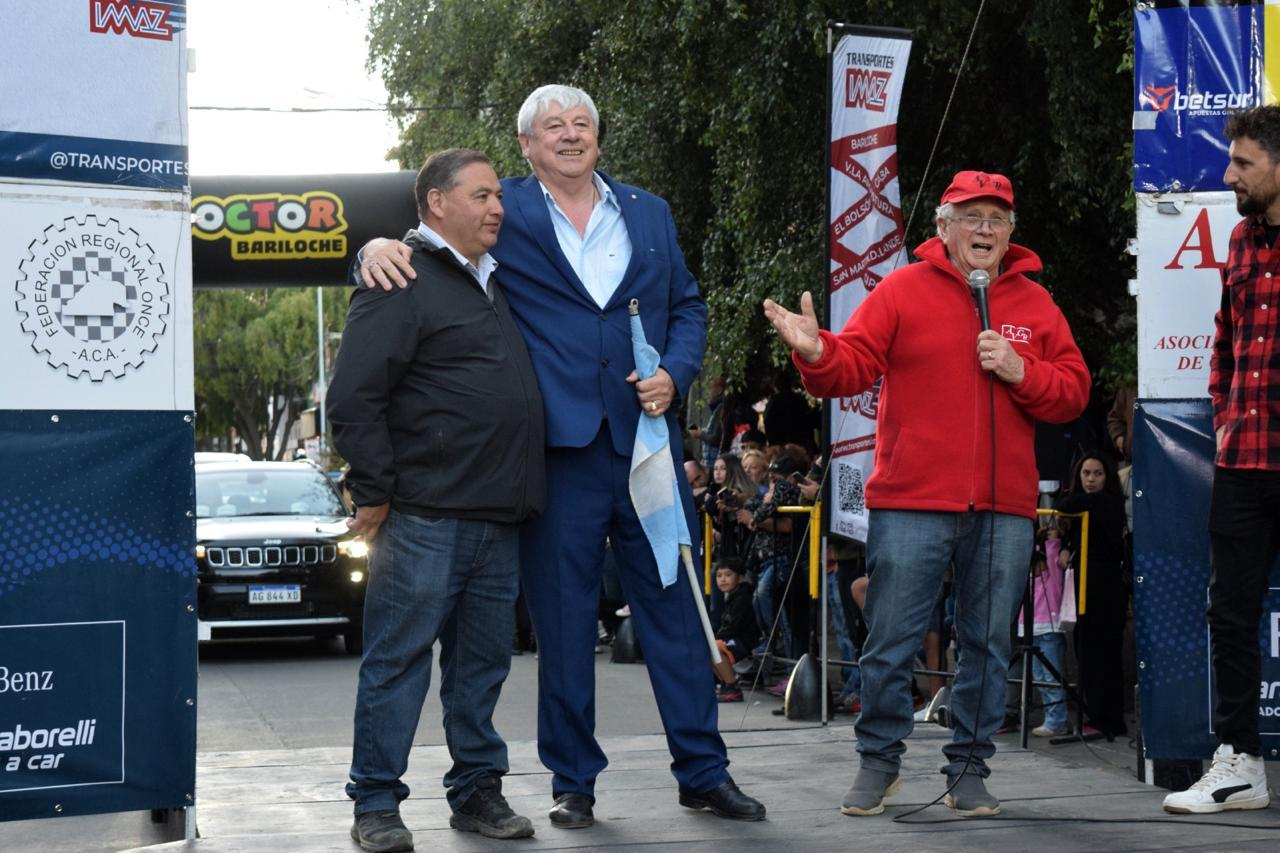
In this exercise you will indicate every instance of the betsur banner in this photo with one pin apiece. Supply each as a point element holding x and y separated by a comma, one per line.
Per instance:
<point>1193,64</point>
<point>868,67</point>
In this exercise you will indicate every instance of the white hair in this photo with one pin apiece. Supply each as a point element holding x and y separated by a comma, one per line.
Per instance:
<point>542,97</point>
<point>948,211</point>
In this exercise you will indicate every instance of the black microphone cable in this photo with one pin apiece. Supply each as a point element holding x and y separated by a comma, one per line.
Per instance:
<point>986,633</point>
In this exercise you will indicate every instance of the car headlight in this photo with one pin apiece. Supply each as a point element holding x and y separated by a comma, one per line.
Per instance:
<point>199,552</point>
<point>356,577</point>
<point>357,548</point>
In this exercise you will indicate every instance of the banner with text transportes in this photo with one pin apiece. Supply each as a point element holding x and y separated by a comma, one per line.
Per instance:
<point>868,67</point>
<point>96,92</point>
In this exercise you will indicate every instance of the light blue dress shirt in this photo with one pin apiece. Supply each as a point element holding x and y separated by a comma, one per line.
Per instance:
<point>599,256</point>
<point>481,272</point>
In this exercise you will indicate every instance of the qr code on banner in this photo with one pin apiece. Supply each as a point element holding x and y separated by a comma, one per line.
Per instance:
<point>849,483</point>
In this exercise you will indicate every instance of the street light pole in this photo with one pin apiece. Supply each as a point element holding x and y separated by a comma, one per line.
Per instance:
<point>320,358</point>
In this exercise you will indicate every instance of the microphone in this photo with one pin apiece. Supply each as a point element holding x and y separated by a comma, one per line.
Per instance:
<point>979,281</point>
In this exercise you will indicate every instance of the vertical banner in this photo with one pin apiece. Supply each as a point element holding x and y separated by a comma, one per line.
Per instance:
<point>97,528</point>
<point>1194,63</point>
<point>865,239</point>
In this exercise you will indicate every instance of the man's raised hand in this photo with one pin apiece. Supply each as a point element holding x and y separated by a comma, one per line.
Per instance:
<point>798,331</point>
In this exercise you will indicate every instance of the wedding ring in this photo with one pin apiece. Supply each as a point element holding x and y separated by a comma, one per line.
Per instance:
<point>653,407</point>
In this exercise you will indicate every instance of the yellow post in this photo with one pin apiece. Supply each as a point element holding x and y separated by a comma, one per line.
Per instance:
<point>1082,599</point>
<point>815,541</point>
<point>707,533</point>
<point>815,550</point>
<point>1084,564</point>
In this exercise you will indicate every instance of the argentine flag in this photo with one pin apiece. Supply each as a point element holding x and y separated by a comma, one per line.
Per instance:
<point>655,494</point>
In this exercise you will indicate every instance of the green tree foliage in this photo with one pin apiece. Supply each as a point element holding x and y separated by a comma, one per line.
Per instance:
<point>255,361</point>
<point>719,107</point>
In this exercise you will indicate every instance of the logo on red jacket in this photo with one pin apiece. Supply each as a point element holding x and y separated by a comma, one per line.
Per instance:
<point>1017,334</point>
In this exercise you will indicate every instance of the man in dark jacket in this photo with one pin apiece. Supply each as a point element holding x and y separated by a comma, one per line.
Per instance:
<point>435,405</point>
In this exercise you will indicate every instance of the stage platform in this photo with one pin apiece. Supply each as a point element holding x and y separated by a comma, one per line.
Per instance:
<point>1054,799</point>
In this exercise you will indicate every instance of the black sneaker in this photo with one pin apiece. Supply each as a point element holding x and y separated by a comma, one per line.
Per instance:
<point>381,832</point>
<point>486,812</point>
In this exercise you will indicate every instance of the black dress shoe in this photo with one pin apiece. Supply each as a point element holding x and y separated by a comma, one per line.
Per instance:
<point>572,811</point>
<point>725,801</point>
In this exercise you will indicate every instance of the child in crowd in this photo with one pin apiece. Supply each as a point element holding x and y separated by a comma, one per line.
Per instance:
<point>738,631</point>
<point>1048,632</point>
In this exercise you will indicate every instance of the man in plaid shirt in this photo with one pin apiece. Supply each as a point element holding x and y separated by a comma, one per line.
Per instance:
<point>1244,514</point>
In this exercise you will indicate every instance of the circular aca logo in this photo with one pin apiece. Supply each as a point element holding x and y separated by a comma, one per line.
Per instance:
<point>93,297</point>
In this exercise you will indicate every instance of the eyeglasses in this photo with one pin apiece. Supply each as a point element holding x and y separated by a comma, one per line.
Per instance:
<point>972,222</point>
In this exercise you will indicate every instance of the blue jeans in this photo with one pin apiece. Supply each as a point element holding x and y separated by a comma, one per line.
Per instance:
<point>447,579</point>
<point>1054,699</point>
<point>764,603</point>
<point>835,608</point>
<point>907,555</point>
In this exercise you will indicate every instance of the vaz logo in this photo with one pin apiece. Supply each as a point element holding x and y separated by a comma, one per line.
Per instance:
<point>867,89</point>
<point>1157,97</point>
<point>866,404</point>
<point>1017,334</point>
<point>136,18</point>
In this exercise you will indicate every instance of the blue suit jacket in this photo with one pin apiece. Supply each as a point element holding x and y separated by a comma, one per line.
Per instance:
<point>582,353</point>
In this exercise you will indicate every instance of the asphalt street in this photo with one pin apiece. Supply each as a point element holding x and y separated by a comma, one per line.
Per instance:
<point>300,693</point>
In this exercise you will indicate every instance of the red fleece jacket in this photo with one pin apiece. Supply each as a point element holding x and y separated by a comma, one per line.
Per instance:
<point>919,329</point>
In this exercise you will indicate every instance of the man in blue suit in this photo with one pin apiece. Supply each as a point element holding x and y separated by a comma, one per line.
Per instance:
<point>576,247</point>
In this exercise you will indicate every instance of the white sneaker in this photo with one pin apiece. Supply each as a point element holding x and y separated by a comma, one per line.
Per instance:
<point>1234,781</point>
<point>623,612</point>
<point>1044,731</point>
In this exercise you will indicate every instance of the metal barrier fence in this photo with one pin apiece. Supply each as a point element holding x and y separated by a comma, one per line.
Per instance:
<point>818,579</point>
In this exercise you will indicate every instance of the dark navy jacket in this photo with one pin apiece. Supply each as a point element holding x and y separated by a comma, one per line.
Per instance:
<point>582,353</point>
<point>434,401</point>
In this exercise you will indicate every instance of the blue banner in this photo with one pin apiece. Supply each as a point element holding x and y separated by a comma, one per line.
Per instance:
<point>1172,479</point>
<point>97,613</point>
<point>41,156</point>
<point>1193,64</point>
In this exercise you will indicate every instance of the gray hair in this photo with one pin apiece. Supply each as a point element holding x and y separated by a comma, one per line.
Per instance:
<point>541,98</point>
<point>948,211</point>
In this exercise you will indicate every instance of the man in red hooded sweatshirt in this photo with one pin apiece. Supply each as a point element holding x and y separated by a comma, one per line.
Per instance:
<point>955,478</point>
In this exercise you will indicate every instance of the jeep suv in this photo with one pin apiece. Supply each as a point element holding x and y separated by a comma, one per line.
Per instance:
<point>274,554</point>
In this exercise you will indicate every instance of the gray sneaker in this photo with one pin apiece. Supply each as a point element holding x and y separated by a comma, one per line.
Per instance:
<point>381,832</point>
<point>870,788</point>
<point>486,811</point>
<point>969,797</point>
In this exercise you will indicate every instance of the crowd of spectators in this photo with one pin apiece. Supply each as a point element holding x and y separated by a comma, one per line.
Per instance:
<point>759,602</point>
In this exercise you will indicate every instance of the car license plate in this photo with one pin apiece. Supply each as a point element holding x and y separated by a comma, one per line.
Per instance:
<point>275,594</point>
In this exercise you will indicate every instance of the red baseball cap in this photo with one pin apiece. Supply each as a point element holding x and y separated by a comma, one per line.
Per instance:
<point>966,186</point>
